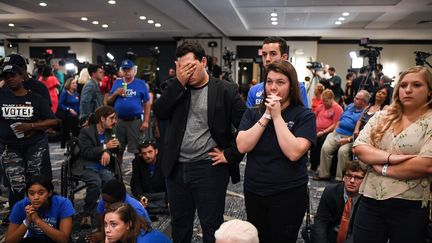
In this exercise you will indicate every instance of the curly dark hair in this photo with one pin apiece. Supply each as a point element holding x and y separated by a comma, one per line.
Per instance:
<point>191,46</point>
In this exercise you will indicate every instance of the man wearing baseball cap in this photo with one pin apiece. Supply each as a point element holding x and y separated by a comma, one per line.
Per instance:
<point>29,83</point>
<point>131,99</point>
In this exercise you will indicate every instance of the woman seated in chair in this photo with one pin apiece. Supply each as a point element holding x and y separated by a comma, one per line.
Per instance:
<point>41,216</point>
<point>93,163</point>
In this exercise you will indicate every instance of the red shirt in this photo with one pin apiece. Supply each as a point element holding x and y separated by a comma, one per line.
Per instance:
<point>52,83</point>
<point>327,117</point>
<point>315,103</point>
<point>105,86</point>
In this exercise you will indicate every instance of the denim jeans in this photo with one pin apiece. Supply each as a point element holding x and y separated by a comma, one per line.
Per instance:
<point>157,203</point>
<point>20,162</point>
<point>94,175</point>
<point>197,186</point>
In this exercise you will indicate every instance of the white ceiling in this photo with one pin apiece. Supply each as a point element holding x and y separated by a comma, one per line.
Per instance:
<point>377,19</point>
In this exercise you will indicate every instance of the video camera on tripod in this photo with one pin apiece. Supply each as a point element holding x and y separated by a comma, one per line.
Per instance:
<point>421,58</point>
<point>228,57</point>
<point>315,66</point>
<point>372,53</point>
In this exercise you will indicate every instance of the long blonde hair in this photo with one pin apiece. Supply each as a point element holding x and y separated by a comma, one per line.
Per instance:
<point>84,76</point>
<point>393,113</point>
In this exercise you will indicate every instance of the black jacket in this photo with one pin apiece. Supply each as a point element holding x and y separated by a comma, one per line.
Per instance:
<point>225,110</point>
<point>142,183</point>
<point>90,148</point>
<point>329,214</point>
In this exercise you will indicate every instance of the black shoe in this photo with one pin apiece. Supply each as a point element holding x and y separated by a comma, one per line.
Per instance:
<point>153,218</point>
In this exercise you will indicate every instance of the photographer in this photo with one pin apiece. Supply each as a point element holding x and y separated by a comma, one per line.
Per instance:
<point>333,83</point>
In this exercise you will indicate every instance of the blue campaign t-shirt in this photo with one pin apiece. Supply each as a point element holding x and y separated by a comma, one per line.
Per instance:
<point>255,95</point>
<point>139,208</point>
<point>268,171</point>
<point>153,236</point>
<point>60,208</point>
<point>348,120</point>
<point>130,105</point>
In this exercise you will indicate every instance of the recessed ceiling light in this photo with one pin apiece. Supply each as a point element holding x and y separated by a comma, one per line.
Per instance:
<point>274,23</point>
<point>273,14</point>
<point>104,26</point>
<point>345,14</point>
<point>273,19</point>
<point>158,25</point>
<point>95,22</point>
<point>338,22</point>
<point>341,18</point>
<point>150,21</point>
<point>11,25</point>
<point>84,18</point>
<point>42,4</point>
<point>142,17</point>
<point>112,2</point>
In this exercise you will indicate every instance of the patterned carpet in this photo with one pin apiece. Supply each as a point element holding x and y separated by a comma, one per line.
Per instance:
<point>234,206</point>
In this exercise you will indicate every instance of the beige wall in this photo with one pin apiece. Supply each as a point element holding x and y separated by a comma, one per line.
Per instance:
<point>394,58</point>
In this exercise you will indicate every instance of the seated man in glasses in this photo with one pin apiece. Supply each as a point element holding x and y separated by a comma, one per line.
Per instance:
<point>337,207</point>
<point>147,182</point>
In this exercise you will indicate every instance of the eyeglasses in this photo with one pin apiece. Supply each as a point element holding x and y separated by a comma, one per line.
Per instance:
<point>356,98</point>
<point>356,178</point>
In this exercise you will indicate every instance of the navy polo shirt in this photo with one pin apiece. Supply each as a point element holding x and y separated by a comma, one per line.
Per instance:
<point>268,170</point>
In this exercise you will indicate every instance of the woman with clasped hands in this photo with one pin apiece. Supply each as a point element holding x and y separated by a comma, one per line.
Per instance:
<point>276,137</point>
<point>397,145</point>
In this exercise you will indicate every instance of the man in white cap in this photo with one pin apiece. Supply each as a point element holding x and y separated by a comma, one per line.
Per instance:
<point>130,98</point>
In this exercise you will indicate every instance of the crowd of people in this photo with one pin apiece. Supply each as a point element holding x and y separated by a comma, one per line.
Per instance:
<point>188,142</point>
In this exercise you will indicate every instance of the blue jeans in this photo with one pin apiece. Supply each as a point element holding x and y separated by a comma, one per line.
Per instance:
<point>94,175</point>
<point>20,162</point>
<point>197,186</point>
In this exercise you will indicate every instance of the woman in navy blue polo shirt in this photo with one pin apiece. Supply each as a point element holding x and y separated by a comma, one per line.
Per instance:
<point>276,137</point>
